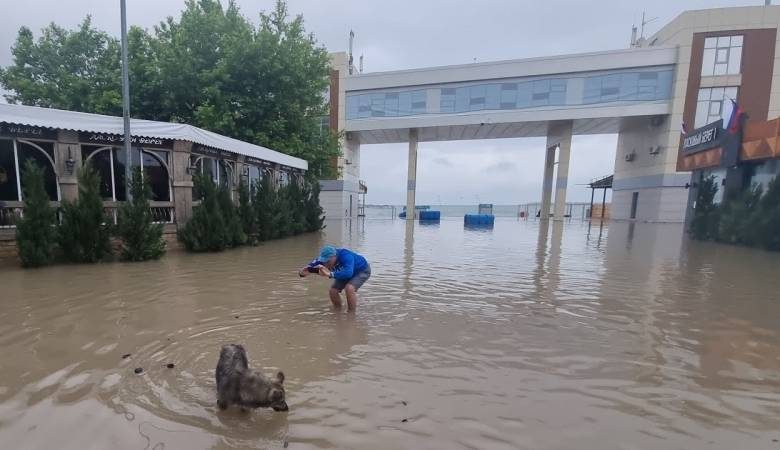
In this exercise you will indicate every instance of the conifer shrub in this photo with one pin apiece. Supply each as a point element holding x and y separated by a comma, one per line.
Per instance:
<point>141,238</point>
<point>35,231</point>
<point>83,233</point>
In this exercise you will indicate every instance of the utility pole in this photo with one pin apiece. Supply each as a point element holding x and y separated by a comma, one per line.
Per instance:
<point>126,102</point>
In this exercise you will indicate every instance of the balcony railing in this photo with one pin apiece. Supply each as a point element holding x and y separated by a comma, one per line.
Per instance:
<point>162,212</point>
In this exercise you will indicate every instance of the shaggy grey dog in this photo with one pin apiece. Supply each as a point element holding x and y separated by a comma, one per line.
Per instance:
<point>238,385</point>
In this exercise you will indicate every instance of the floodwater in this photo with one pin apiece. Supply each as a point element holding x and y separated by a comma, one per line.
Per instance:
<point>622,337</point>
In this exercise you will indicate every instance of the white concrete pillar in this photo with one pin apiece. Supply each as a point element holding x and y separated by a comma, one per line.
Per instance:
<point>561,133</point>
<point>547,182</point>
<point>411,180</point>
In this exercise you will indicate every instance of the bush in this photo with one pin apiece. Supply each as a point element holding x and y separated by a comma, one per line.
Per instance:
<point>767,220</point>
<point>141,237</point>
<point>35,232</point>
<point>206,230</point>
<point>736,216</point>
<point>246,213</point>
<point>704,224</point>
<point>83,234</point>
<point>267,210</point>
<point>234,232</point>
<point>315,218</point>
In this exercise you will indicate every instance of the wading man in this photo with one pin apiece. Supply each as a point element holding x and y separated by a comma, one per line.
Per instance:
<point>347,269</point>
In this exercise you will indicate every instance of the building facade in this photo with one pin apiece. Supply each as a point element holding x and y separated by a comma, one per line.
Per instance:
<point>722,55</point>
<point>168,155</point>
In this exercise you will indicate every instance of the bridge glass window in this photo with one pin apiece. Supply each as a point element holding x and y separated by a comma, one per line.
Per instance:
<point>714,104</point>
<point>628,86</point>
<point>722,56</point>
<point>622,86</point>
<point>386,104</point>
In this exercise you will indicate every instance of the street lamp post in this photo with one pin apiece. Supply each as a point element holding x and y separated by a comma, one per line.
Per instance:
<point>126,101</point>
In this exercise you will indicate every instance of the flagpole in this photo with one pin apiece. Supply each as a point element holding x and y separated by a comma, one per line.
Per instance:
<point>126,102</point>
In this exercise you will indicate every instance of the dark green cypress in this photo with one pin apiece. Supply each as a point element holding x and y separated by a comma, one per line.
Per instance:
<point>142,239</point>
<point>83,234</point>
<point>35,232</point>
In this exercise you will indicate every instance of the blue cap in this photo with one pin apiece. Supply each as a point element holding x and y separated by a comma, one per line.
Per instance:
<point>326,253</point>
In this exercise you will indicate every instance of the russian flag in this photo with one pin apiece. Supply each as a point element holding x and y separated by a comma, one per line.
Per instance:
<point>735,121</point>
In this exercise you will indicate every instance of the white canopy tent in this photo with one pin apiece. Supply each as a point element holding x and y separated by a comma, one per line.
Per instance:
<point>96,123</point>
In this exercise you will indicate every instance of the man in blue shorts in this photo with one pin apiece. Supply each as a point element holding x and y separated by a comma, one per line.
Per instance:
<point>347,269</point>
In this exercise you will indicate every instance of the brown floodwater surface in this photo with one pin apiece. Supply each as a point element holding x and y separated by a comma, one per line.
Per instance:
<point>621,337</point>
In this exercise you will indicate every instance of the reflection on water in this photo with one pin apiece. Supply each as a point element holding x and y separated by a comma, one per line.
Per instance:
<point>567,336</point>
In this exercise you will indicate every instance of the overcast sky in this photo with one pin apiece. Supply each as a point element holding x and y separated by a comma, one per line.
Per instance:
<point>402,34</point>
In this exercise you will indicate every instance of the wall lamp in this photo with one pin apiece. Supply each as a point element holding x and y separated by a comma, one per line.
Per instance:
<point>70,163</point>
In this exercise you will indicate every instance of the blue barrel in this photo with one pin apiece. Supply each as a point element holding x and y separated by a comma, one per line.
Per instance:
<point>486,220</point>
<point>430,216</point>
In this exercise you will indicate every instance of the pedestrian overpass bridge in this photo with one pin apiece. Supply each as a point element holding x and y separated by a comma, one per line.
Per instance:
<point>510,99</point>
<point>556,97</point>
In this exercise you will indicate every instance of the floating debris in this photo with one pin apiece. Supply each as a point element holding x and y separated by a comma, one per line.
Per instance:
<point>126,355</point>
<point>405,420</point>
<point>403,402</point>
<point>236,316</point>
<point>138,369</point>
<point>170,365</point>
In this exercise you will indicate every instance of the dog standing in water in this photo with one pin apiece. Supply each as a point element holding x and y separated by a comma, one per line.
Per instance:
<point>238,385</point>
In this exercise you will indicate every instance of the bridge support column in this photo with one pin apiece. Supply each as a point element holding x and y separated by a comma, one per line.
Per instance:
<point>547,182</point>
<point>561,132</point>
<point>411,180</point>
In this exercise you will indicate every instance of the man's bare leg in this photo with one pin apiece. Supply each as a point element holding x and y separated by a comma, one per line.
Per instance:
<point>335,298</point>
<point>351,297</point>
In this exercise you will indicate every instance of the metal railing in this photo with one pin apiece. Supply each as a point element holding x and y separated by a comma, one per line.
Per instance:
<point>9,215</point>
<point>163,212</point>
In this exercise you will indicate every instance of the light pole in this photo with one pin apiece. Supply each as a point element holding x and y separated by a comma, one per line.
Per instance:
<point>126,101</point>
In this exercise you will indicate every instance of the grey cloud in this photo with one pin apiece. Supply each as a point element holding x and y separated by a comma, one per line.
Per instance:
<point>442,162</point>
<point>501,166</point>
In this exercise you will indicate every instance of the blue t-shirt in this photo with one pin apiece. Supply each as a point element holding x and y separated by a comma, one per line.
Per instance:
<point>348,264</point>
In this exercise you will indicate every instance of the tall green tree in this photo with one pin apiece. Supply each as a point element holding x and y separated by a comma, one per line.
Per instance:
<point>210,67</point>
<point>142,239</point>
<point>83,233</point>
<point>67,69</point>
<point>35,233</point>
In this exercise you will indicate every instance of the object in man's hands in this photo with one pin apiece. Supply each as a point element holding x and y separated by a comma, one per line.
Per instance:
<point>314,266</point>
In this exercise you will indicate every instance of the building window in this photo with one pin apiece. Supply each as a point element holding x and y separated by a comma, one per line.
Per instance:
<point>255,177</point>
<point>109,162</point>
<point>14,154</point>
<point>714,104</point>
<point>722,56</point>
<point>221,172</point>
<point>617,86</point>
<point>284,179</point>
